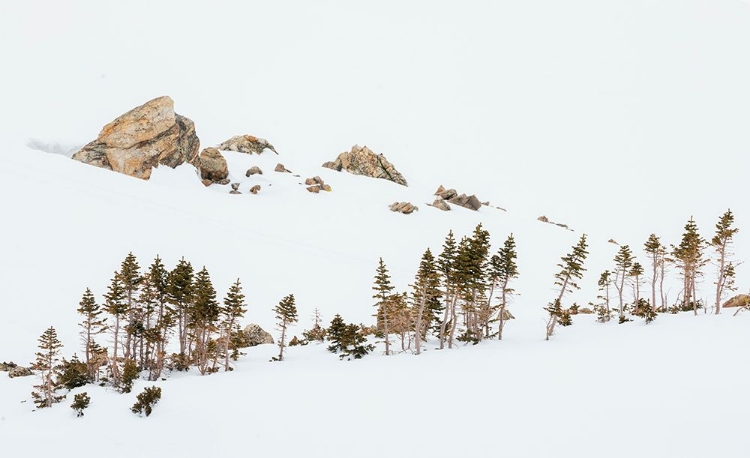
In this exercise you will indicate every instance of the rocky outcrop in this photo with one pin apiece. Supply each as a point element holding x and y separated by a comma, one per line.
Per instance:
<point>255,335</point>
<point>145,137</point>
<point>362,161</point>
<point>254,170</point>
<point>471,202</point>
<point>212,166</point>
<point>740,300</point>
<point>403,207</point>
<point>19,371</point>
<point>246,144</point>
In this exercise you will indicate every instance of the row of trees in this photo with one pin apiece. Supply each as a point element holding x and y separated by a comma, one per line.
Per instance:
<point>460,295</point>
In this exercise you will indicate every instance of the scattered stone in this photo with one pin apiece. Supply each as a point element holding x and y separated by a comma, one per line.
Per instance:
<point>246,144</point>
<point>254,170</point>
<point>441,204</point>
<point>486,204</point>
<point>543,219</point>
<point>613,241</point>
<point>280,168</point>
<point>585,311</point>
<point>740,300</point>
<point>564,226</point>
<point>255,335</point>
<point>19,371</point>
<point>439,190</point>
<point>224,182</point>
<point>310,182</point>
<point>362,161</point>
<point>212,166</point>
<point>145,137</point>
<point>235,189</point>
<point>325,187</point>
<point>448,194</point>
<point>313,189</point>
<point>403,207</point>
<point>255,189</point>
<point>471,202</point>
<point>316,184</point>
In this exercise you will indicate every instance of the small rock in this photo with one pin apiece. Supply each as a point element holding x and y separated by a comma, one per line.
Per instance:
<point>332,165</point>
<point>585,311</point>
<point>543,219</point>
<point>314,189</point>
<point>255,189</point>
<point>19,371</point>
<point>310,182</point>
<point>207,182</point>
<point>234,191</point>
<point>448,194</point>
<point>212,165</point>
<point>235,186</point>
<point>439,190</point>
<point>363,161</point>
<point>254,170</point>
<point>486,204</point>
<point>403,207</point>
<point>280,168</point>
<point>223,182</point>
<point>441,204</point>
<point>612,241</point>
<point>255,335</point>
<point>325,187</point>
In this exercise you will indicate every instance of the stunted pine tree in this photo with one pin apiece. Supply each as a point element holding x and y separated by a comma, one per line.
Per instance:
<point>286,314</point>
<point>605,280</point>
<point>131,279</point>
<point>91,326</point>
<point>571,270</point>
<point>48,365</point>
<point>115,304</point>
<point>425,297</point>
<point>180,295</point>
<point>474,274</point>
<point>383,288</point>
<point>447,267</point>
<point>689,258</point>
<point>347,339</point>
<point>157,335</point>
<point>656,253</point>
<point>721,243</point>
<point>623,263</point>
<point>203,317</point>
<point>318,332</point>
<point>503,270</point>
<point>636,272</point>
<point>234,309</point>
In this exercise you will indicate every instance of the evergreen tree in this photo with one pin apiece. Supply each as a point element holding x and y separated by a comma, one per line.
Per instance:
<point>317,332</point>
<point>180,294</point>
<point>623,263</point>
<point>505,270</point>
<point>475,268</point>
<point>721,243</point>
<point>203,316</point>
<point>73,373</point>
<point>158,335</point>
<point>91,326</point>
<point>447,267</point>
<point>146,400</point>
<point>604,313</point>
<point>131,279</point>
<point>689,257</point>
<point>286,314</point>
<point>383,288</point>
<point>636,272</point>
<point>81,402</point>
<point>425,297</point>
<point>656,253</point>
<point>234,309</point>
<point>571,270</point>
<point>347,339</point>
<point>115,305</point>
<point>130,374</point>
<point>47,363</point>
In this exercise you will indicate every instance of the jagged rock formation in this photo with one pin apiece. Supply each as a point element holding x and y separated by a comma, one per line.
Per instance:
<point>441,205</point>
<point>145,137</point>
<point>451,195</point>
<point>212,166</point>
<point>362,161</point>
<point>255,335</point>
<point>403,207</point>
<point>471,202</point>
<point>246,144</point>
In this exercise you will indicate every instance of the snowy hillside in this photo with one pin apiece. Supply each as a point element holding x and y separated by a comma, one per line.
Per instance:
<point>617,118</point>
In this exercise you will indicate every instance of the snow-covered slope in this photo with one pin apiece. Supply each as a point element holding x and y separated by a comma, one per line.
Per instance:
<point>618,118</point>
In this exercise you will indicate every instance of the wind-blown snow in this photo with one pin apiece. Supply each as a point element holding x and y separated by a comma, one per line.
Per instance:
<point>618,118</point>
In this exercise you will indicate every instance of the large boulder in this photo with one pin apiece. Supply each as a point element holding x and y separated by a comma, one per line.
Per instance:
<point>246,144</point>
<point>212,166</point>
<point>143,138</point>
<point>362,161</point>
<point>255,335</point>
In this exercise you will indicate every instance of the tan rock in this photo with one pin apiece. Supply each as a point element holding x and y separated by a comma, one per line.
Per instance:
<point>246,144</point>
<point>212,165</point>
<point>447,194</point>
<point>331,165</point>
<point>403,207</point>
<point>362,161</point>
<point>314,189</point>
<point>441,204</point>
<point>310,182</point>
<point>143,138</point>
<point>543,219</point>
<point>439,190</point>
<point>740,300</point>
<point>325,187</point>
<point>255,189</point>
<point>280,168</point>
<point>254,170</point>
<point>471,202</point>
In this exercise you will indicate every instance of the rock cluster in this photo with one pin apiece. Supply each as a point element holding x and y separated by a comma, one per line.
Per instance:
<point>145,137</point>
<point>362,161</point>
<point>212,167</point>
<point>451,195</point>
<point>246,144</point>
<point>403,207</point>
<point>14,370</point>
<point>316,184</point>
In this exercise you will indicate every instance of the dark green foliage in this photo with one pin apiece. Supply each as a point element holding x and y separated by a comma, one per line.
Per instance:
<point>295,342</point>
<point>689,257</point>
<point>347,339</point>
<point>286,314</point>
<point>234,309</point>
<point>74,373</point>
<point>179,295</point>
<point>130,373</point>
<point>146,400</point>
<point>48,364</point>
<point>91,326</point>
<point>80,402</point>
<point>571,270</point>
<point>643,309</point>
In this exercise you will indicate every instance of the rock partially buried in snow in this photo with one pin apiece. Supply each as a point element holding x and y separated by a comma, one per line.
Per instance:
<point>255,189</point>
<point>254,170</point>
<point>212,166</point>
<point>255,335</point>
<point>246,144</point>
<point>471,202</point>
<point>19,371</point>
<point>280,168</point>
<point>441,205</point>
<point>235,189</point>
<point>403,207</point>
<point>362,161</point>
<point>740,300</point>
<point>145,137</point>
